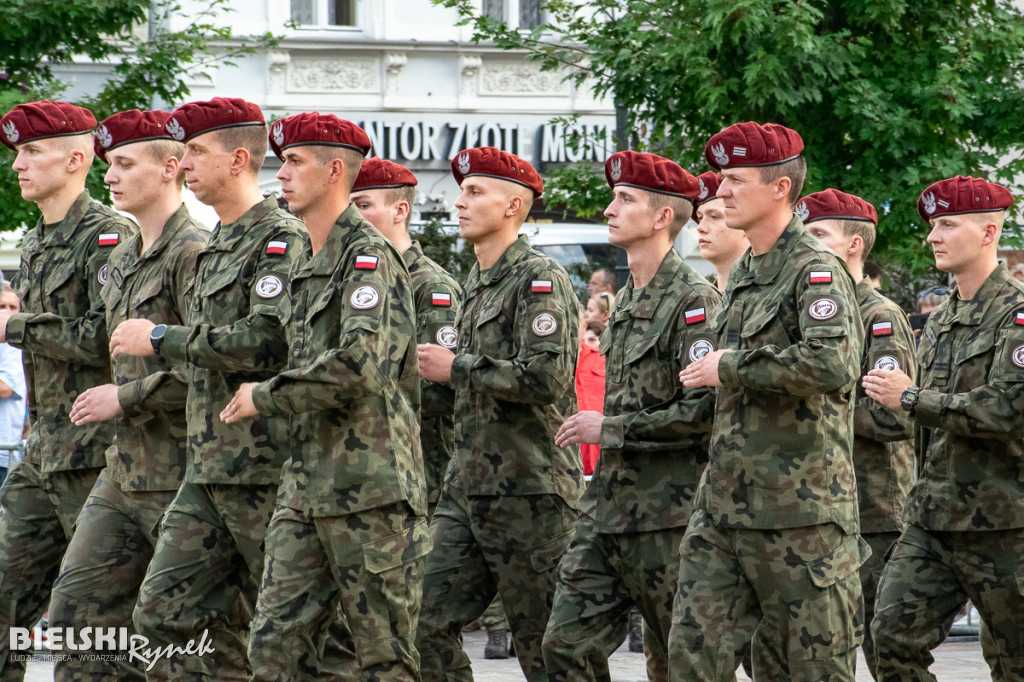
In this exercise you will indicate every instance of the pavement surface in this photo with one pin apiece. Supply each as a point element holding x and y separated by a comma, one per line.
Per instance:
<point>955,661</point>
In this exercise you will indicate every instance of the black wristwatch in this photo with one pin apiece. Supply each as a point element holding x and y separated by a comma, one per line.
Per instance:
<point>156,337</point>
<point>909,398</point>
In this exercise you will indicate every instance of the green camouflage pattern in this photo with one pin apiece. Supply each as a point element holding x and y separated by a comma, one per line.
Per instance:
<point>352,387</point>
<point>970,415</point>
<point>435,323</point>
<point>655,433</point>
<point>600,578</point>
<point>62,331</point>
<point>883,445</point>
<point>798,586</point>
<point>514,387</point>
<point>365,568</point>
<point>870,577</point>
<point>781,450</point>
<point>150,450</point>
<point>925,584</point>
<point>233,335</point>
<point>487,545</point>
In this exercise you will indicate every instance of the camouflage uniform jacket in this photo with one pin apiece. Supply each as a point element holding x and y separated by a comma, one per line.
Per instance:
<point>150,450</point>
<point>781,450</point>
<point>62,331</point>
<point>233,335</point>
<point>437,297</point>
<point>883,446</point>
<point>654,438</point>
<point>970,415</point>
<point>513,378</point>
<point>352,386</point>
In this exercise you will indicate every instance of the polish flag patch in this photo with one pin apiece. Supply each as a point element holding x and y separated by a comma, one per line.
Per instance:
<point>366,262</point>
<point>541,286</point>
<point>821,277</point>
<point>276,248</point>
<point>1020,319</point>
<point>110,239</point>
<point>441,300</point>
<point>694,316</point>
<point>881,329</point>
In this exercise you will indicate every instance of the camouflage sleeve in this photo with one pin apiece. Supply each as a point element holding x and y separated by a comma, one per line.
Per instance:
<point>686,419</point>
<point>546,335</point>
<point>436,308</point>
<point>995,408</point>
<point>361,362</point>
<point>888,344</point>
<point>255,342</point>
<point>825,356</point>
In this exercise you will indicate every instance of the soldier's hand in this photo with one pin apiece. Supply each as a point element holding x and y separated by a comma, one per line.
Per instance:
<point>886,386</point>
<point>98,404</point>
<point>435,362</point>
<point>5,315</point>
<point>241,406</point>
<point>132,338</point>
<point>703,372</point>
<point>582,427</point>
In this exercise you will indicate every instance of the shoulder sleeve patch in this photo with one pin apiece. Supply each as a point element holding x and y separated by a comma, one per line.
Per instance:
<point>541,286</point>
<point>109,239</point>
<point>694,316</point>
<point>881,329</point>
<point>440,300</point>
<point>1019,319</point>
<point>820,277</point>
<point>276,248</point>
<point>366,263</point>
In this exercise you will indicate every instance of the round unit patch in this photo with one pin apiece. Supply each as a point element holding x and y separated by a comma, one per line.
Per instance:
<point>544,324</point>
<point>887,362</point>
<point>364,298</point>
<point>1018,356</point>
<point>448,337</point>
<point>823,309</point>
<point>269,286</point>
<point>102,275</point>
<point>700,348</point>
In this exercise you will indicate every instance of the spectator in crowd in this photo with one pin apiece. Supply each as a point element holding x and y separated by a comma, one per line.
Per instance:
<point>602,280</point>
<point>12,388</point>
<point>1018,271</point>
<point>874,272</point>
<point>590,383</point>
<point>930,299</point>
<point>599,307</point>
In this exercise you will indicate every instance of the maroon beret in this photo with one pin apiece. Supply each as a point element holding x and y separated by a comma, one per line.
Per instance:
<point>707,188</point>
<point>326,130</point>
<point>196,118</point>
<point>492,162</point>
<point>377,173</point>
<point>130,126</point>
<point>39,120</point>
<point>962,194</point>
<point>753,144</point>
<point>650,172</point>
<point>833,204</point>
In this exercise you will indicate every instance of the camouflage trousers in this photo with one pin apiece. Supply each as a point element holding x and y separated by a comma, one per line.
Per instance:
<point>494,617</point>
<point>600,578</point>
<point>37,517</point>
<point>484,546</point>
<point>365,568</point>
<point>929,578</point>
<point>800,585</point>
<point>870,575</point>
<point>102,570</point>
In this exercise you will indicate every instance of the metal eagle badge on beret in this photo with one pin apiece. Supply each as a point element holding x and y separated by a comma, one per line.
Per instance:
<point>823,309</point>
<point>365,297</point>
<point>464,163</point>
<point>11,131</point>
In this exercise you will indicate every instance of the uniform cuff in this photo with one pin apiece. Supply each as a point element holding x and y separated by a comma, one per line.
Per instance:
<point>729,368</point>
<point>16,328</point>
<point>613,432</point>
<point>128,397</point>
<point>461,366</point>
<point>262,398</point>
<point>928,410</point>
<point>174,348</point>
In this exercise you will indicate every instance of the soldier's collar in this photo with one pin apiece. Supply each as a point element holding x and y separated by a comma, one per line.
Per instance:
<point>173,225</point>
<point>61,233</point>
<point>226,236</point>
<point>506,260</point>
<point>413,254</point>
<point>771,262</point>
<point>970,312</point>
<point>645,301</point>
<point>865,289</point>
<point>331,254</point>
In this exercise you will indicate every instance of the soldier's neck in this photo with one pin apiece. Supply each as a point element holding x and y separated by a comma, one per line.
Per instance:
<point>237,203</point>
<point>970,279</point>
<point>490,249</point>
<point>763,235</point>
<point>320,218</point>
<point>644,259</point>
<point>56,206</point>
<point>154,216</point>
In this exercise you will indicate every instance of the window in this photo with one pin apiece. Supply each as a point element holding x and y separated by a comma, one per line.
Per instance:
<point>324,12</point>
<point>519,13</point>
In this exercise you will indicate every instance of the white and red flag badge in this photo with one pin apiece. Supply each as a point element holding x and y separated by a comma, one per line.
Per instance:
<point>881,329</point>
<point>441,300</point>
<point>110,239</point>
<point>694,316</point>
<point>822,277</point>
<point>541,286</point>
<point>276,248</point>
<point>366,262</point>
<point>1020,319</point>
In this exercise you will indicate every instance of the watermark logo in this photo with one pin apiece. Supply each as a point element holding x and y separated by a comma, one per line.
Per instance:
<point>61,641</point>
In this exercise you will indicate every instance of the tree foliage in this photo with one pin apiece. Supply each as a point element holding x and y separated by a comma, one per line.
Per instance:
<point>888,95</point>
<point>149,61</point>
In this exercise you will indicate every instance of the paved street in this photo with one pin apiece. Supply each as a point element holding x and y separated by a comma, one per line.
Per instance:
<point>955,662</point>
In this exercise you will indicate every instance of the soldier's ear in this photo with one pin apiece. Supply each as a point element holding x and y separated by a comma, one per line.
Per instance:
<point>240,161</point>
<point>514,206</point>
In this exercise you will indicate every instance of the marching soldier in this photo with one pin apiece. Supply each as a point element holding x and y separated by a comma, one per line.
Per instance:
<point>653,434</point>
<point>775,534</point>
<point>350,526</point>
<point>508,506</point>
<point>384,193</point>
<point>965,515</point>
<point>146,277</point>
<point>63,335</point>
<point>210,546</point>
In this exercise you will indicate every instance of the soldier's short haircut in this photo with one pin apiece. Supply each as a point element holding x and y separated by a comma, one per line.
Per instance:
<point>160,150</point>
<point>794,169</point>
<point>682,209</point>
<point>352,159</point>
<point>860,228</point>
<point>252,138</point>
<point>83,142</point>
<point>406,193</point>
